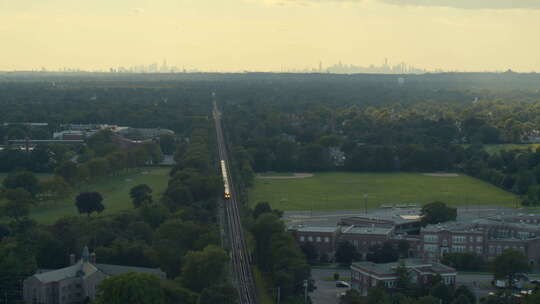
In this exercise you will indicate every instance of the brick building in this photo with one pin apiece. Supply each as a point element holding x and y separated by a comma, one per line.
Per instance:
<point>364,238</point>
<point>366,275</point>
<point>322,238</point>
<point>487,237</point>
<point>402,221</point>
<point>455,237</point>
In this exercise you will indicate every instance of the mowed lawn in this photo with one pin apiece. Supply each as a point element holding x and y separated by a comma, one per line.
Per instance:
<point>114,189</point>
<point>496,148</point>
<point>492,149</point>
<point>345,191</point>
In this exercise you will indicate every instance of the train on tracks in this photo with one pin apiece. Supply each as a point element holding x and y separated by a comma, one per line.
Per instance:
<point>226,187</point>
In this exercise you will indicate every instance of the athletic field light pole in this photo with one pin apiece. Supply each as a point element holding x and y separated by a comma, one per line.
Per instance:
<point>305,291</point>
<point>365,202</point>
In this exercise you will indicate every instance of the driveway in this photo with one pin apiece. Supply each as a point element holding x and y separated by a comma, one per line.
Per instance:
<point>327,292</point>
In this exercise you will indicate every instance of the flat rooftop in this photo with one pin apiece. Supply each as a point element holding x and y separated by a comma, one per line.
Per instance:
<point>389,268</point>
<point>367,230</point>
<point>395,215</point>
<point>314,228</point>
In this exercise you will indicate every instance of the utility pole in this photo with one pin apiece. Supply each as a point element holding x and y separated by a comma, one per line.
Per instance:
<point>305,291</point>
<point>278,294</point>
<point>365,202</point>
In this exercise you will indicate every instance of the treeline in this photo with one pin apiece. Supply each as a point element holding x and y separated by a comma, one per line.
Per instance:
<point>423,136</point>
<point>278,256</point>
<point>177,232</point>
<point>282,137</point>
<point>40,159</point>
<point>136,104</point>
<point>515,170</point>
<point>283,264</point>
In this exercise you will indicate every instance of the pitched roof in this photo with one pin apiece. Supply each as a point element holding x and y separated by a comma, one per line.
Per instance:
<point>80,269</point>
<point>112,270</point>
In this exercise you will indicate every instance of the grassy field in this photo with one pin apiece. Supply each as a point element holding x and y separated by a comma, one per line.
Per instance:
<point>271,174</point>
<point>114,189</point>
<point>491,149</point>
<point>344,191</point>
<point>495,148</point>
<point>40,176</point>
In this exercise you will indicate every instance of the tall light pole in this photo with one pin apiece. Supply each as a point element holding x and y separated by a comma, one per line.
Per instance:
<point>305,291</point>
<point>365,202</point>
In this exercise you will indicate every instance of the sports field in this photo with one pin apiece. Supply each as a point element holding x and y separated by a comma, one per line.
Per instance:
<point>114,189</point>
<point>345,191</point>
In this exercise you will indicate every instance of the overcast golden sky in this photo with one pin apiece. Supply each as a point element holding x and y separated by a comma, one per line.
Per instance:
<point>233,35</point>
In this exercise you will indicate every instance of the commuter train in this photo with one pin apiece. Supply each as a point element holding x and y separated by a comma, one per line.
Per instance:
<point>227,189</point>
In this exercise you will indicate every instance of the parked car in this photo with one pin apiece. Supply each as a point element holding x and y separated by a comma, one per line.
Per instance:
<point>343,284</point>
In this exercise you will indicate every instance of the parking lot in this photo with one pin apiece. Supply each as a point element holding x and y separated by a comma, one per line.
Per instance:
<point>327,292</point>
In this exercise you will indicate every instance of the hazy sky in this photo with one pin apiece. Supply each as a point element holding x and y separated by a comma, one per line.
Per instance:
<point>233,35</point>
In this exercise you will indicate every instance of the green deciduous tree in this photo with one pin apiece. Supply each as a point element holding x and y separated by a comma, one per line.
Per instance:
<point>167,143</point>
<point>17,205</point>
<point>260,208</point>
<point>88,202</point>
<point>141,194</point>
<point>462,290</point>
<point>133,288</point>
<point>509,263</point>
<point>437,212</point>
<point>174,238</point>
<point>17,262</point>
<point>346,253</point>
<point>54,188</point>
<point>222,293</point>
<point>204,268</point>
<point>22,179</point>
<point>67,170</point>
<point>174,293</point>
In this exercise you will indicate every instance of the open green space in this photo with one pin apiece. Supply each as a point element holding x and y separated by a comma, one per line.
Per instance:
<point>272,174</point>
<point>345,191</point>
<point>114,189</point>
<point>492,149</point>
<point>40,176</point>
<point>495,148</point>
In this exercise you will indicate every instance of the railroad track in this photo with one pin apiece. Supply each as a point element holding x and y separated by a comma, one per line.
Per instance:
<point>240,258</point>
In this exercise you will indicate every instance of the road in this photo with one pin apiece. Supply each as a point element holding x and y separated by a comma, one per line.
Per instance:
<point>238,251</point>
<point>480,284</point>
<point>331,218</point>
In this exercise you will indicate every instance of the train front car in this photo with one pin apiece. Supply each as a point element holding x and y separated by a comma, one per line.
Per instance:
<point>226,188</point>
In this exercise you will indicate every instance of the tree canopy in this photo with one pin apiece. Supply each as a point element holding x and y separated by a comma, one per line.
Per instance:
<point>509,263</point>
<point>89,202</point>
<point>133,288</point>
<point>437,212</point>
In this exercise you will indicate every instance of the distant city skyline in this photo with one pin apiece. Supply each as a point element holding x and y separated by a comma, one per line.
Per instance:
<point>386,67</point>
<point>270,35</point>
